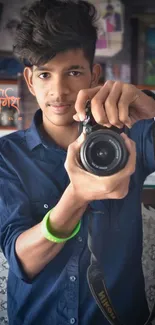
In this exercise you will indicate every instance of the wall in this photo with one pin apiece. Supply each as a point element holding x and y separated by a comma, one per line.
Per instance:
<point>11,11</point>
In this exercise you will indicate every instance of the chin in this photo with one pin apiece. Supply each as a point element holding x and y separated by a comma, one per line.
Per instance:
<point>62,120</point>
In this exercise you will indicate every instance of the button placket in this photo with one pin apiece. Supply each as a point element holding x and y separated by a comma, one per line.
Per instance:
<point>73,289</point>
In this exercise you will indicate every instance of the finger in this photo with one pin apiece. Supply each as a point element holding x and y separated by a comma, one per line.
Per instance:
<point>110,182</point>
<point>81,138</point>
<point>83,96</point>
<point>123,106</point>
<point>76,118</point>
<point>98,102</point>
<point>99,113</point>
<point>74,147</point>
<point>131,147</point>
<point>94,94</point>
<point>111,104</point>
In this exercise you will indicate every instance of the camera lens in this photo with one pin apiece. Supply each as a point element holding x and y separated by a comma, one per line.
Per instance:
<point>103,152</point>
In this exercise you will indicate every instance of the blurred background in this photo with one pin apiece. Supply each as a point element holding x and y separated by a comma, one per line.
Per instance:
<point>126,51</point>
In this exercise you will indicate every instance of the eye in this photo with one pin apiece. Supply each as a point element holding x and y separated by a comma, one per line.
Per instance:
<point>75,73</point>
<point>44,75</point>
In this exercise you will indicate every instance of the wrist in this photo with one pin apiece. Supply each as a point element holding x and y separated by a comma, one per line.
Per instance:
<point>79,202</point>
<point>51,236</point>
<point>66,214</point>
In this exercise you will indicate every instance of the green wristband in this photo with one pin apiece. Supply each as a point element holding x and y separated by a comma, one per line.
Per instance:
<point>48,235</point>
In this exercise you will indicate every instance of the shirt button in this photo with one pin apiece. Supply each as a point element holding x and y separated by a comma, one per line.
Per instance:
<point>72,278</point>
<point>80,239</point>
<point>72,321</point>
<point>46,206</point>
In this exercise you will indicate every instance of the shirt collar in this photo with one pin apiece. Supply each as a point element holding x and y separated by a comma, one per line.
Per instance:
<point>33,134</point>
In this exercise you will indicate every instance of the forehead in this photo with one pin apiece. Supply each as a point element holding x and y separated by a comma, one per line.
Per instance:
<point>65,60</point>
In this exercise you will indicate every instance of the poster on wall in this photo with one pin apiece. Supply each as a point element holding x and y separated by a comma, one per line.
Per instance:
<point>111,27</point>
<point>10,16</point>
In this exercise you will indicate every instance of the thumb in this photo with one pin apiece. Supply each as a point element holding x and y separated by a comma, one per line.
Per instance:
<point>73,151</point>
<point>81,138</point>
<point>75,146</point>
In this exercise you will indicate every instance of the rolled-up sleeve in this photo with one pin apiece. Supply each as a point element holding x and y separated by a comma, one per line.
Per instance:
<point>15,218</point>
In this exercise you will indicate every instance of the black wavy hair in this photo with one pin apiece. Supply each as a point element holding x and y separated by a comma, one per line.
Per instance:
<point>49,27</point>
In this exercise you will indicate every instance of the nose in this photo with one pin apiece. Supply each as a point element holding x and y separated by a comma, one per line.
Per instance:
<point>60,87</point>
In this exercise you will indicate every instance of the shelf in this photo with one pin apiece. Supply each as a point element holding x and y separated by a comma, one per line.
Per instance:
<point>8,128</point>
<point>8,81</point>
<point>145,87</point>
<point>4,131</point>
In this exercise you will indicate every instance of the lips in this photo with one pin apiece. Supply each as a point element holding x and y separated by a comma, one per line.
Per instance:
<point>59,109</point>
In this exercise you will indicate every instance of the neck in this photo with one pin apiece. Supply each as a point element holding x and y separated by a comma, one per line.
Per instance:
<point>62,135</point>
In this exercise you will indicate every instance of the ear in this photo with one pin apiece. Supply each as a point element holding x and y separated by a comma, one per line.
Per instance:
<point>28,74</point>
<point>96,73</point>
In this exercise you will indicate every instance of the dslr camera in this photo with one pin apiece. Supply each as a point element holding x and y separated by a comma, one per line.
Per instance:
<point>103,152</point>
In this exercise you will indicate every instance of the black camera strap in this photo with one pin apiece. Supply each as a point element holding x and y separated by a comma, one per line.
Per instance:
<point>95,277</point>
<point>98,288</point>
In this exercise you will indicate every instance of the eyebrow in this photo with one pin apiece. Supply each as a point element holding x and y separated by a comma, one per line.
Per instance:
<point>72,67</point>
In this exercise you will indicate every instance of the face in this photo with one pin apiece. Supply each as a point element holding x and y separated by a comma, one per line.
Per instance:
<point>57,83</point>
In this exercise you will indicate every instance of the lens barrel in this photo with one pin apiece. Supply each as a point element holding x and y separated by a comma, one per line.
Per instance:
<point>103,153</point>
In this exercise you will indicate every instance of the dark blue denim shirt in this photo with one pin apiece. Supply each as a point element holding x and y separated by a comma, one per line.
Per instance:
<point>32,180</point>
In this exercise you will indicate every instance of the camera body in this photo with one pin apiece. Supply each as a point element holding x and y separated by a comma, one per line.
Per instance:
<point>103,152</point>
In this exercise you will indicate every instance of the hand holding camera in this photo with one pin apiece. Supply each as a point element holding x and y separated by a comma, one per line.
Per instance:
<point>103,152</point>
<point>115,104</point>
<point>101,161</point>
<point>87,186</point>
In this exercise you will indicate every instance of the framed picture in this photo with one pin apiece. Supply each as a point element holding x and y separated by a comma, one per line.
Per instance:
<point>111,27</point>
<point>10,115</point>
<point>10,17</point>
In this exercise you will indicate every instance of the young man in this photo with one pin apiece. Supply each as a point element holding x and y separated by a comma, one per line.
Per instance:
<point>40,175</point>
